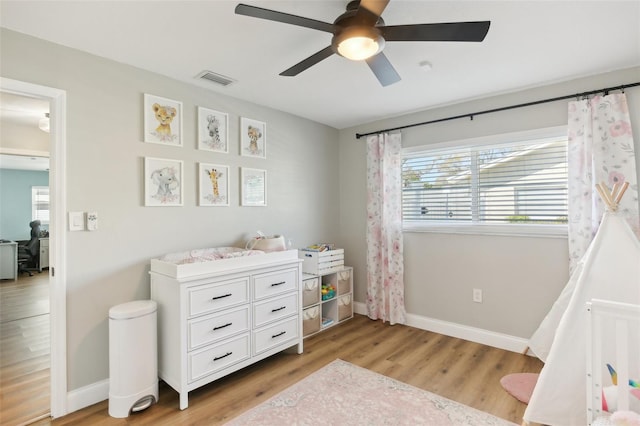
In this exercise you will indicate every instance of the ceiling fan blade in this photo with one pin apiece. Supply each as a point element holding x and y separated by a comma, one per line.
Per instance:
<point>383,69</point>
<point>309,62</point>
<point>272,15</point>
<point>370,10</point>
<point>453,31</point>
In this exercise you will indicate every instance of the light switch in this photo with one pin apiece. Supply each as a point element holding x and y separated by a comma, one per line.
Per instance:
<point>92,221</point>
<point>76,221</point>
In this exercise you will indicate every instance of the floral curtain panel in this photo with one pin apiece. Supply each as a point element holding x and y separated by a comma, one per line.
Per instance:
<point>385,263</point>
<point>600,150</point>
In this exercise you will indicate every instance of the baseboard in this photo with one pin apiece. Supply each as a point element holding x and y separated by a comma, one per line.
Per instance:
<point>473,334</point>
<point>88,395</point>
<point>99,391</point>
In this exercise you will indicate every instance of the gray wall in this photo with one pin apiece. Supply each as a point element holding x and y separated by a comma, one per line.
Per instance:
<point>105,156</point>
<point>520,276</point>
<point>15,202</point>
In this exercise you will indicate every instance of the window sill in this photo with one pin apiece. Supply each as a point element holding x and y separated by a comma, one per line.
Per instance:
<point>509,230</point>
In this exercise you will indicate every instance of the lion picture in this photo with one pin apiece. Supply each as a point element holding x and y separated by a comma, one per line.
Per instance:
<point>162,120</point>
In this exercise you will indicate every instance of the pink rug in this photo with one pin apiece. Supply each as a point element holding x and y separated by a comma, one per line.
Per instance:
<point>520,385</point>
<point>344,394</point>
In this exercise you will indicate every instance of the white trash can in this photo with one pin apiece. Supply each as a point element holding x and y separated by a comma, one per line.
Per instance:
<point>133,357</point>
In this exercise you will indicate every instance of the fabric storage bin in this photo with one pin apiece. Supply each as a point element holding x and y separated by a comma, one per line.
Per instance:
<point>310,291</point>
<point>345,307</point>
<point>311,320</point>
<point>344,282</point>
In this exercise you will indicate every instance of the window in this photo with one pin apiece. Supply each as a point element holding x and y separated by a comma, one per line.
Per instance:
<point>40,204</point>
<point>490,186</point>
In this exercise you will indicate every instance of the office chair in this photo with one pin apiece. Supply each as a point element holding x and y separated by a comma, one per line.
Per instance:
<point>29,253</point>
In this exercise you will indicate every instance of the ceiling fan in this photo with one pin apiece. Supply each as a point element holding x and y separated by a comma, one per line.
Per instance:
<point>360,34</point>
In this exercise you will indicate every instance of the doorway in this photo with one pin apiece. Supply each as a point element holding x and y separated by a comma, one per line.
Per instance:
<point>57,242</point>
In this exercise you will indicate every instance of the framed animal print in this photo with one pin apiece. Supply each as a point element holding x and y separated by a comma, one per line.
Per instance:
<point>213,184</point>
<point>253,138</point>
<point>253,188</point>
<point>213,130</point>
<point>162,120</point>
<point>162,182</point>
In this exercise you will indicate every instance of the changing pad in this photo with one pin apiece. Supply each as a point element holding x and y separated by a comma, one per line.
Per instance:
<point>207,255</point>
<point>195,263</point>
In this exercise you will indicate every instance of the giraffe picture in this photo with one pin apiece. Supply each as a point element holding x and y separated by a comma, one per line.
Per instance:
<point>213,184</point>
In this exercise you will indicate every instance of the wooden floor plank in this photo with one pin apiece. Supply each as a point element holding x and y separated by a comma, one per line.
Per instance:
<point>459,370</point>
<point>24,349</point>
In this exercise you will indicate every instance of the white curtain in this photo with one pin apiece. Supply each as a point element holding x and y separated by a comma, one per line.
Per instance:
<point>385,263</point>
<point>600,150</point>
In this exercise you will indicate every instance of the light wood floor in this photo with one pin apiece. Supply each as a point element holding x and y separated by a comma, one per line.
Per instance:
<point>24,349</point>
<point>457,369</point>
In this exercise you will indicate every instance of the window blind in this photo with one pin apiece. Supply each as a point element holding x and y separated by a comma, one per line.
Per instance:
<point>40,203</point>
<point>517,182</point>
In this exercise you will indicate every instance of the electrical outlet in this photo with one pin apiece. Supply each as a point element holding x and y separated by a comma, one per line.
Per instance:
<point>477,295</point>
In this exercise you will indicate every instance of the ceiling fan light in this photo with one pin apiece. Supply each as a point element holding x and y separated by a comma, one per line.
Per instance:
<point>358,43</point>
<point>358,48</point>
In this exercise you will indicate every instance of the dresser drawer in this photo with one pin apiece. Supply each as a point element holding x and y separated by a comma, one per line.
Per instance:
<point>209,298</point>
<point>274,309</point>
<point>274,283</point>
<point>209,360</point>
<point>212,328</point>
<point>273,335</point>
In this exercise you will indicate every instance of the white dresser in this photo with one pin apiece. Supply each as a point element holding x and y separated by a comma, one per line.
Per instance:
<point>218,318</point>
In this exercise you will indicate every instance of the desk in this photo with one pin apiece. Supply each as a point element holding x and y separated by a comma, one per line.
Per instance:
<point>9,260</point>
<point>43,260</point>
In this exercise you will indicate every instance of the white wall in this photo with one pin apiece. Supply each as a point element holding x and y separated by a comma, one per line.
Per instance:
<point>105,157</point>
<point>520,276</point>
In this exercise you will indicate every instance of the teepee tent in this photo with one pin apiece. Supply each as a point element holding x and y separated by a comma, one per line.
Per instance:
<point>610,270</point>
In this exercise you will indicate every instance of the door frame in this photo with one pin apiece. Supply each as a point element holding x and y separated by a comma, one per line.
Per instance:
<point>57,251</point>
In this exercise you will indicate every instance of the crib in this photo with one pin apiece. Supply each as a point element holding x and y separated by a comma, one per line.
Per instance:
<point>613,344</point>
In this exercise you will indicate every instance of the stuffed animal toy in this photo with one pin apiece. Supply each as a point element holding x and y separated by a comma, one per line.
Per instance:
<point>609,393</point>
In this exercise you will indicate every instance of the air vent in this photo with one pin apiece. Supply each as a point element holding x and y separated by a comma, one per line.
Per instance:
<point>215,78</point>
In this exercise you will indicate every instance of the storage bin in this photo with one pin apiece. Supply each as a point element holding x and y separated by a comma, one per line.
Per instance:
<point>310,291</point>
<point>345,308</point>
<point>344,282</point>
<point>310,320</point>
<point>321,262</point>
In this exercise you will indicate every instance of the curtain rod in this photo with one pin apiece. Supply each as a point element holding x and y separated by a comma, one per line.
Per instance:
<point>472,114</point>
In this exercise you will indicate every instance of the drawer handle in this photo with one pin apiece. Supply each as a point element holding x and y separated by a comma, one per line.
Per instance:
<point>279,309</point>
<point>221,297</point>
<point>280,283</point>
<point>223,356</point>
<point>278,335</point>
<point>222,326</point>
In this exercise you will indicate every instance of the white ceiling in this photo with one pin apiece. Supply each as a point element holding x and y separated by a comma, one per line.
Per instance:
<point>530,43</point>
<point>24,162</point>
<point>22,110</point>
